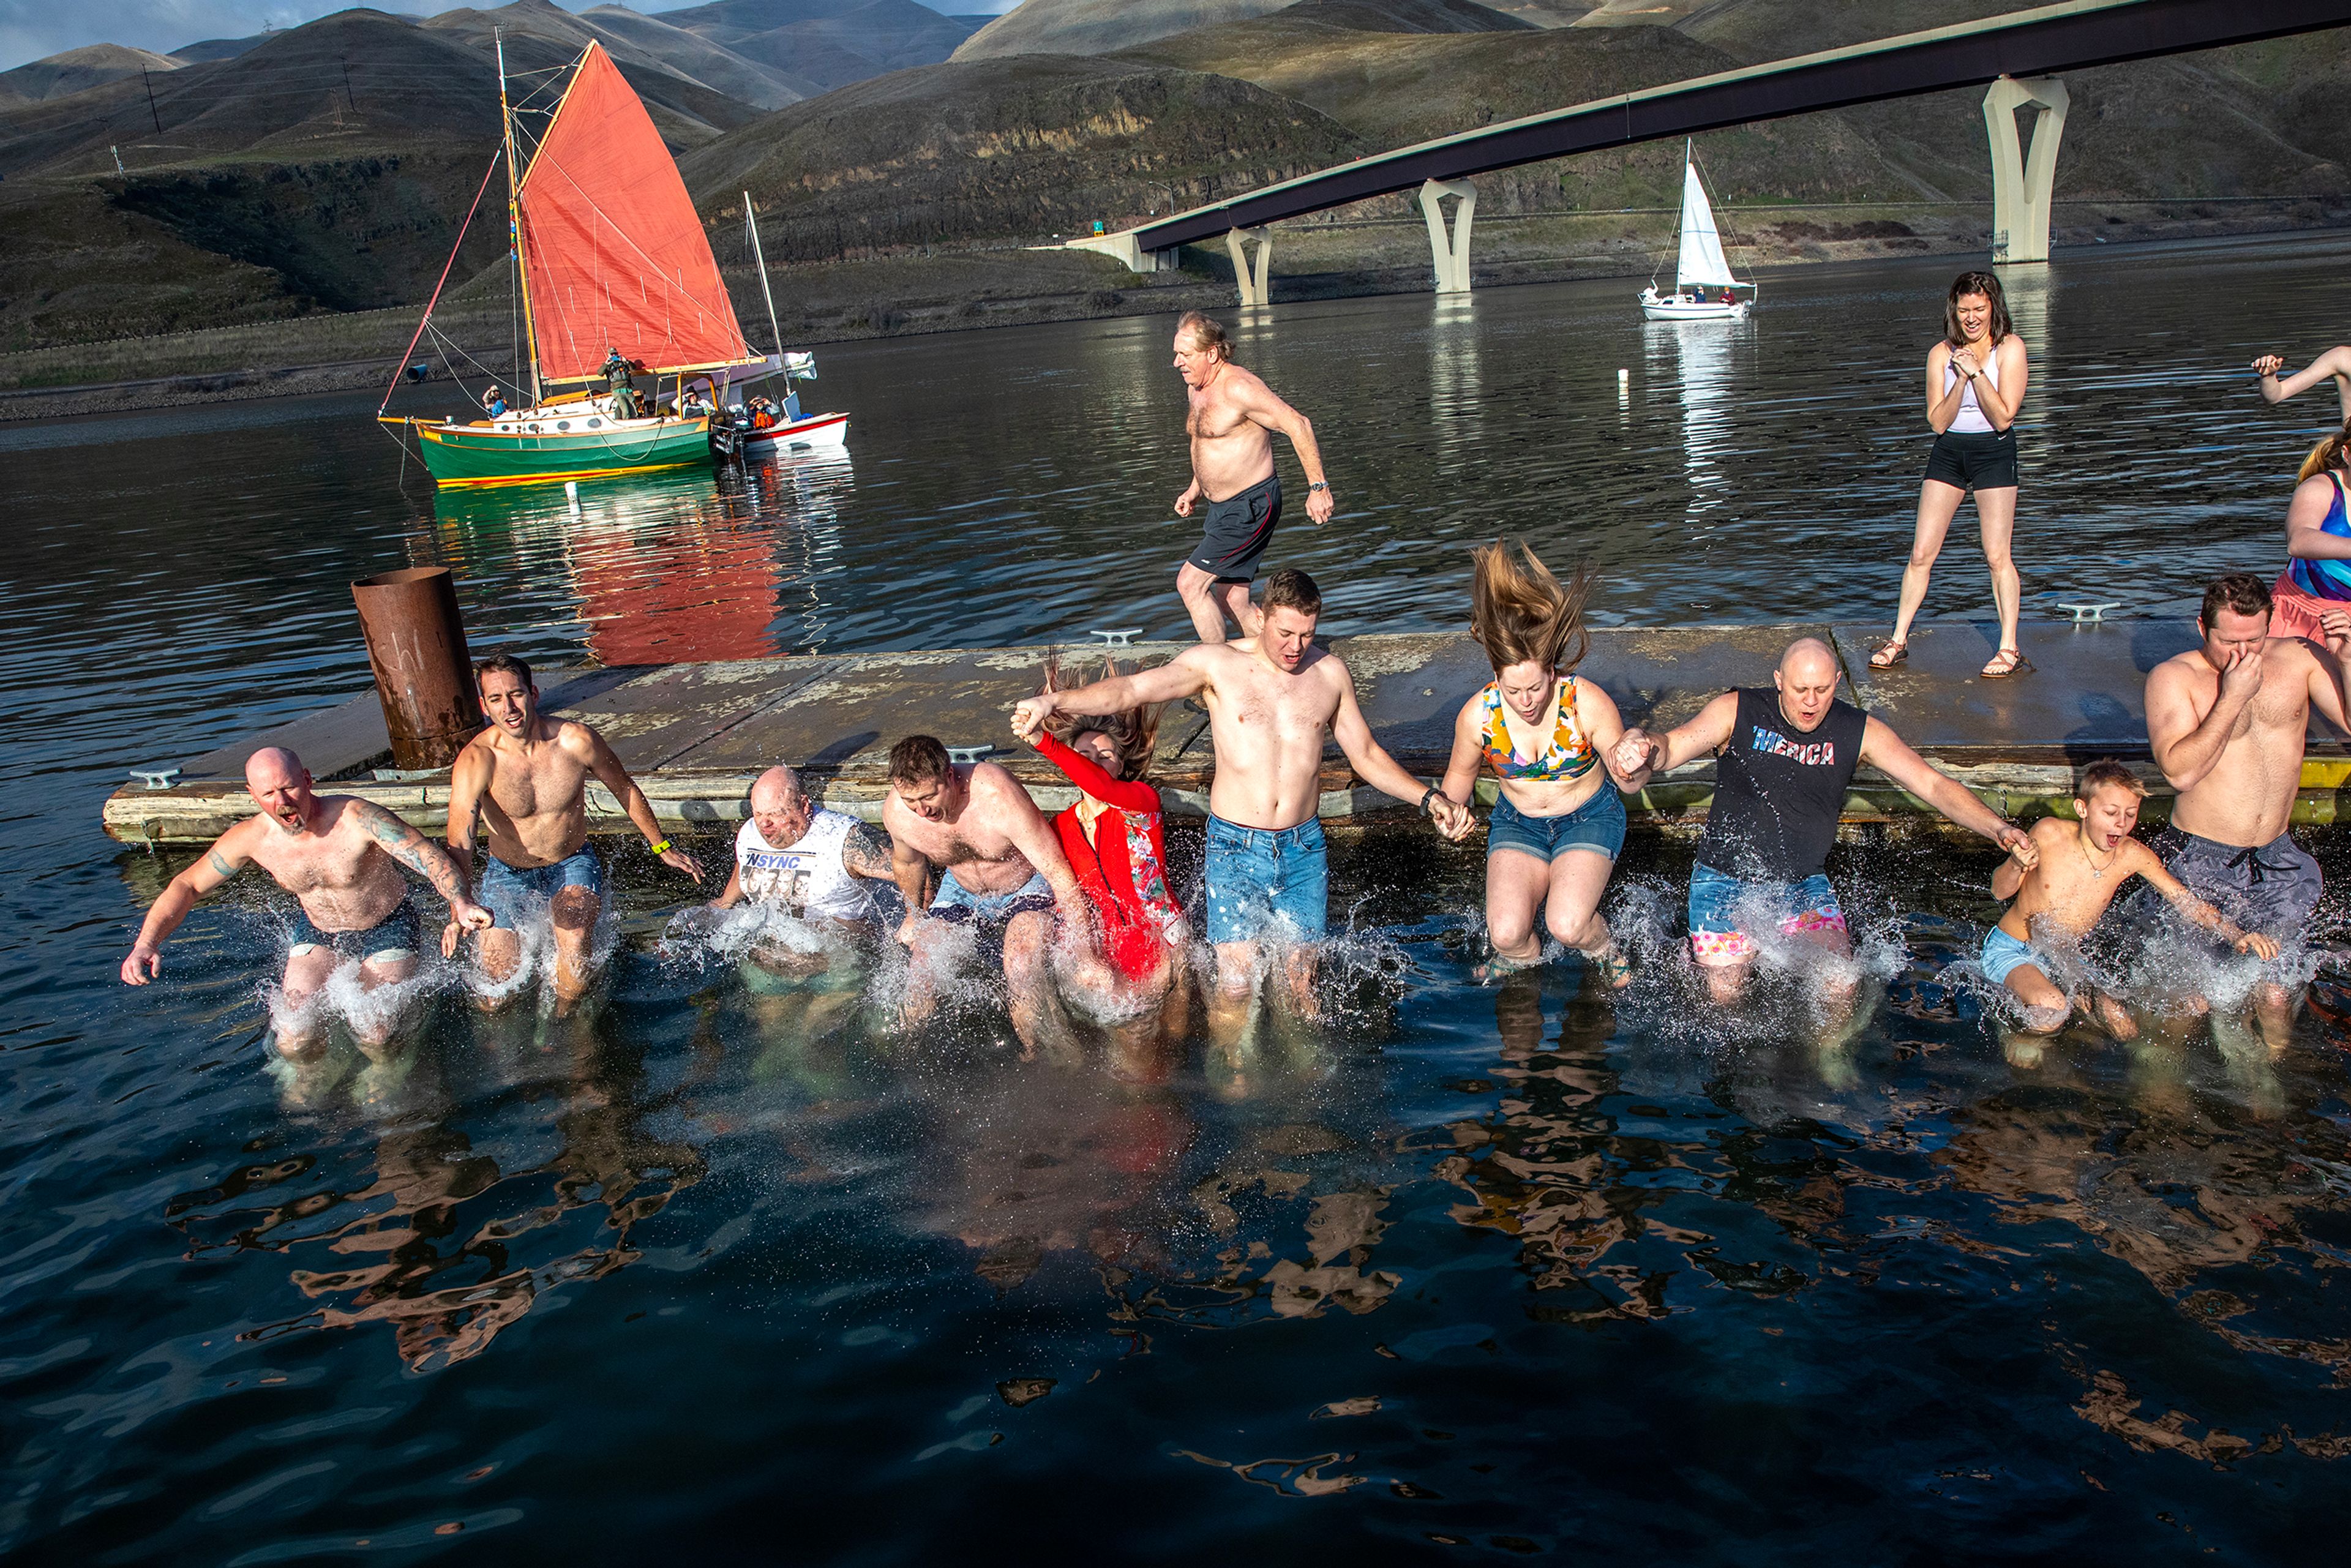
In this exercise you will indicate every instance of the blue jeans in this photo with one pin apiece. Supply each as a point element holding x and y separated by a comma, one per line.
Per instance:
<point>1714,898</point>
<point>1257,874</point>
<point>509,893</point>
<point>1597,824</point>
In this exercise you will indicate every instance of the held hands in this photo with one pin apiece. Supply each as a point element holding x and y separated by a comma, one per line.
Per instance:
<point>1636,752</point>
<point>2020,846</point>
<point>143,964</point>
<point>1029,715</point>
<point>1453,819</point>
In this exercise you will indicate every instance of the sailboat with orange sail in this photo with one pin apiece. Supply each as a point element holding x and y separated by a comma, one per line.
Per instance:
<point>614,277</point>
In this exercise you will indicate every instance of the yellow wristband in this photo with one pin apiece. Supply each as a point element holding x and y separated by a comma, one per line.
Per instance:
<point>662,848</point>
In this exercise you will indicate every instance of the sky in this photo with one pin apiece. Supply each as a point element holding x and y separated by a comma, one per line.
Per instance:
<point>34,29</point>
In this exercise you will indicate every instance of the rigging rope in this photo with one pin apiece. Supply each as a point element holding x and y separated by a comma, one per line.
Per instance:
<point>402,369</point>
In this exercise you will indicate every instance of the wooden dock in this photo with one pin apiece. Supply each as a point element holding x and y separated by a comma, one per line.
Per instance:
<point>694,736</point>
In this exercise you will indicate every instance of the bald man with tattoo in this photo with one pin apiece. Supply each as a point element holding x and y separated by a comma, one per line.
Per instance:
<point>339,856</point>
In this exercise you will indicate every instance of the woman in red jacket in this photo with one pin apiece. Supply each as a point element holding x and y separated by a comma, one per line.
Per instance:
<point>1116,845</point>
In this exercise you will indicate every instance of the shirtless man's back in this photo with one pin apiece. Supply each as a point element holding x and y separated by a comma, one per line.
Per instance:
<point>1271,701</point>
<point>2228,722</point>
<point>526,777</point>
<point>1001,871</point>
<point>1230,418</point>
<point>335,854</point>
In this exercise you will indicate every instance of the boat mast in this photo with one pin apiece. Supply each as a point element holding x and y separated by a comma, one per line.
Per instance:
<point>759,257</point>
<point>513,217</point>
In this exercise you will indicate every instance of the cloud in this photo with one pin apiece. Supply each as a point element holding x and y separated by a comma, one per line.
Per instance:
<point>34,29</point>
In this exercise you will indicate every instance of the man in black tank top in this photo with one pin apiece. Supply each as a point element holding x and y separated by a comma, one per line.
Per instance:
<point>1784,759</point>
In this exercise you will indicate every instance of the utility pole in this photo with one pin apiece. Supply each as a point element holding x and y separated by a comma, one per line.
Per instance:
<point>346,87</point>
<point>151,100</point>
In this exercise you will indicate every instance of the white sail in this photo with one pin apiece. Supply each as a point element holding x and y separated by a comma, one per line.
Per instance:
<point>1701,259</point>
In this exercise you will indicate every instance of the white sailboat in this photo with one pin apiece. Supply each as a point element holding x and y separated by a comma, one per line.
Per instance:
<point>1700,266</point>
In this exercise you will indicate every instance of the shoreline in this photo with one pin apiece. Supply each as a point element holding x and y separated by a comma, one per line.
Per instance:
<point>1352,260</point>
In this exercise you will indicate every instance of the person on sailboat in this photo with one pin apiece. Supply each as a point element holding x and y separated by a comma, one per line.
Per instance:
<point>494,403</point>
<point>1976,376</point>
<point>1231,420</point>
<point>623,385</point>
<point>2335,362</point>
<point>1549,736</point>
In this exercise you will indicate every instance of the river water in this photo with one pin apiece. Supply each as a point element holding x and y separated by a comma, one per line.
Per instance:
<point>1516,1272</point>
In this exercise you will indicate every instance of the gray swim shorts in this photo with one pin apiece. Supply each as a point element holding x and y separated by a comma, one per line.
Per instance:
<point>2271,888</point>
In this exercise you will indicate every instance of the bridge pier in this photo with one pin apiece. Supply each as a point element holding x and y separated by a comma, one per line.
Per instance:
<point>2021,185</point>
<point>1252,281</point>
<point>1451,256</point>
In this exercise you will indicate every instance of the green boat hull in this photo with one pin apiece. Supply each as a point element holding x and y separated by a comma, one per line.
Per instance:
<point>475,454</point>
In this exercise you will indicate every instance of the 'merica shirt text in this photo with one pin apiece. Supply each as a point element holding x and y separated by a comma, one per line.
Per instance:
<point>1779,790</point>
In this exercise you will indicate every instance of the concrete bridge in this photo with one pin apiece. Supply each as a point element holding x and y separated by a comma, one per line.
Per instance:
<point>2019,55</point>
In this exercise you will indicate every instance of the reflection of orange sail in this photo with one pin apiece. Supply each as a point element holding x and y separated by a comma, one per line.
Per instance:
<point>612,252</point>
<point>703,593</point>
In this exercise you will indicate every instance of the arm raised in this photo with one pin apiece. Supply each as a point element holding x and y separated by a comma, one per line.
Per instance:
<point>1891,755</point>
<point>1185,676</point>
<point>1641,756</point>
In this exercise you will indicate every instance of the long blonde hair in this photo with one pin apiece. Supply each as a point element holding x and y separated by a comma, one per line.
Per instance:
<point>1134,733</point>
<point>2327,455</point>
<point>1519,611</point>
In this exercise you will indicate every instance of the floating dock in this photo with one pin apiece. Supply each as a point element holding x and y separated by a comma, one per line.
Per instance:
<point>696,736</point>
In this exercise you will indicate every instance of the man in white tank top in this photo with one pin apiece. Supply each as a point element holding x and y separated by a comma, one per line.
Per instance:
<point>811,863</point>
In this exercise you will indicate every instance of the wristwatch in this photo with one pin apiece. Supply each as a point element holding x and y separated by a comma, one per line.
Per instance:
<point>1318,485</point>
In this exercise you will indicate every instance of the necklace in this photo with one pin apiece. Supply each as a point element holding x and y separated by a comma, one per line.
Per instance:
<point>2097,870</point>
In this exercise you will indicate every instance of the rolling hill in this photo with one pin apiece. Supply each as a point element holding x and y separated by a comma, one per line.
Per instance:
<point>77,70</point>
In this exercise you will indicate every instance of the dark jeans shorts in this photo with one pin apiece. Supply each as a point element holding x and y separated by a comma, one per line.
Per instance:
<point>1239,530</point>
<point>2271,888</point>
<point>1597,824</point>
<point>509,893</point>
<point>394,936</point>
<point>1974,460</point>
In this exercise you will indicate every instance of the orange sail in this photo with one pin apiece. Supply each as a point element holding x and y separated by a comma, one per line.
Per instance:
<point>614,255</point>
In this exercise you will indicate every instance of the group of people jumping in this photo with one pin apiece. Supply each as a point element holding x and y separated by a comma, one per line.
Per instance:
<point>1083,905</point>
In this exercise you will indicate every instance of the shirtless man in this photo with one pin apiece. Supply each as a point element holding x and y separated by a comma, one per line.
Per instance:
<point>1785,756</point>
<point>1271,700</point>
<point>335,854</point>
<point>1000,870</point>
<point>2227,722</point>
<point>1229,420</point>
<point>526,776</point>
<point>2080,866</point>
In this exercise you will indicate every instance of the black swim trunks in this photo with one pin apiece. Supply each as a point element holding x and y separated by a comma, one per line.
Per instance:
<point>396,935</point>
<point>1974,460</point>
<point>1239,530</point>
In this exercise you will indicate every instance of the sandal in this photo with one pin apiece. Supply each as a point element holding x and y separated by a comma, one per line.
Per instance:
<point>1897,649</point>
<point>2016,664</point>
<point>1500,966</point>
<point>1614,966</point>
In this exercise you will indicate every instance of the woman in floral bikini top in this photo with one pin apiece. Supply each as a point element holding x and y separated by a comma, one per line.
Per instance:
<point>1547,735</point>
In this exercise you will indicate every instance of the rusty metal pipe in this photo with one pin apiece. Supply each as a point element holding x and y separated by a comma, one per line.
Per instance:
<point>424,673</point>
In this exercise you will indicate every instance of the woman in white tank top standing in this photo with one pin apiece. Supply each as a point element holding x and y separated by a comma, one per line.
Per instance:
<point>1975,383</point>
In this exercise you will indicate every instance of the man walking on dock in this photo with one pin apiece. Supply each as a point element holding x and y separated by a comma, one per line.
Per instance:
<point>526,777</point>
<point>1785,757</point>
<point>1271,699</point>
<point>1000,872</point>
<point>335,854</point>
<point>1230,420</point>
<point>2228,722</point>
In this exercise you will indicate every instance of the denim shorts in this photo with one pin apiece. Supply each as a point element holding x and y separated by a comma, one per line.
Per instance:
<point>1714,899</point>
<point>1257,874</point>
<point>956,902</point>
<point>394,936</point>
<point>2003,954</point>
<point>509,893</point>
<point>1597,824</point>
